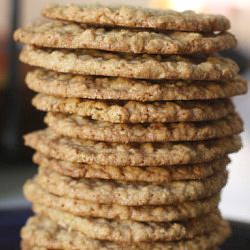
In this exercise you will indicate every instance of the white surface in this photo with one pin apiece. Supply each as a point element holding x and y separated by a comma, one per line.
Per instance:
<point>235,202</point>
<point>236,195</point>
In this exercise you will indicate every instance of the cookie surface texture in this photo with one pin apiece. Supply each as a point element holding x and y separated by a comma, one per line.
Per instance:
<point>136,112</point>
<point>83,128</point>
<point>43,232</point>
<point>93,62</point>
<point>90,87</point>
<point>154,174</point>
<point>127,231</point>
<point>132,193</point>
<point>73,36</point>
<point>38,195</point>
<point>135,154</point>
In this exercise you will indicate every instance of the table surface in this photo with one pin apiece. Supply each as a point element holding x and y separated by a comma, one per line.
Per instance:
<point>12,221</point>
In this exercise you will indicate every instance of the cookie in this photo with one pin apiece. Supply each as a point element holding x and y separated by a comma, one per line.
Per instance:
<point>25,245</point>
<point>93,62</point>
<point>136,112</point>
<point>73,36</point>
<point>83,128</point>
<point>134,154</point>
<point>90,87</point>
<point>43,233</point>
<point>129,193</point>
<point>134,17</point>
<point>128,231</point>
<point>28,246</point>
<point>127,173</point>
<point>37,195</point>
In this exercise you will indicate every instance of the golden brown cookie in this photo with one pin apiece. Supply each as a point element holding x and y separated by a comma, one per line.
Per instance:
<point>83,128</point>
<point>25,245</point>
<point>93,62</point>
<point>38,195</point>
<point>154,174</point>
<point>43,233</point>
<point>136,112</point>
<point>129,193</point>
<point>90,87</point>
<point>127,231</point>
<point>129,16</point>
<point>134,154</point>
<point>56,34</point>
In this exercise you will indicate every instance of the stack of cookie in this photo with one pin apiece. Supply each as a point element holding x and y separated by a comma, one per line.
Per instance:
<point>139,128</point>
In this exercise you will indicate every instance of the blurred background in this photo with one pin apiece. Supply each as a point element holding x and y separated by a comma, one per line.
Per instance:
<point>18,117</point>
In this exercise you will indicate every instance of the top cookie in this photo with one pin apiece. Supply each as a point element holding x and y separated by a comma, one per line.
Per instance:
<point>128,16</point>
<point>73,36</point>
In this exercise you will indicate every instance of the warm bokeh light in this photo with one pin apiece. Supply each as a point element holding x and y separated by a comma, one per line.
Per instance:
<point>238,11</point>
<point>179,5</point>
<point>199,5</point>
